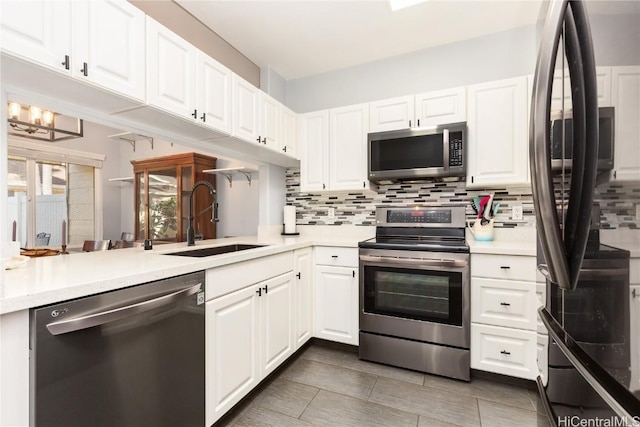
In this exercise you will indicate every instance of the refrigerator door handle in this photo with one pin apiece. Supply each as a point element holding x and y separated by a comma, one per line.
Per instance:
<point>540,151</point>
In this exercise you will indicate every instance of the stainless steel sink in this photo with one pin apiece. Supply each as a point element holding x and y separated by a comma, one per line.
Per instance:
<point>216,250</point>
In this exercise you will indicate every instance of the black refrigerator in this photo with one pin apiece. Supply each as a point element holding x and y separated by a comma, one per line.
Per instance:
<point>587,309</point>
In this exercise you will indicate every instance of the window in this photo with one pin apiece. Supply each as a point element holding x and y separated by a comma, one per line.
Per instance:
<point>47,197</point>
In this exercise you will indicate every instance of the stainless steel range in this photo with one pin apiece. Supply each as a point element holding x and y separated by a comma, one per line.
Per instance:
<point>414,291</point>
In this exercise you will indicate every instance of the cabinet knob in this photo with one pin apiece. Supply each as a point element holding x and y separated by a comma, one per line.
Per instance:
<point>264,140</point>
<point>204,117</point>
<point>258,139</point>
<point>505,304</point>
<point>505,267</point>
<point>65,63</point>
<point>409,123</point>
<point>353,272</point>
<point>634,293</point>
<point>614,174</point>
<point>195,114</point>
<point>324,186</point>
<point>284,148</point>
<point>259,292</point>
<point>298,276</point>
<point>505,352</point>
<point>266,289</point>
<point>85,69</point>
<point>334,256</point>
<point>418,122</point>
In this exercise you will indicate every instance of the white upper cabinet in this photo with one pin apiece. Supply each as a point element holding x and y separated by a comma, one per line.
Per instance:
<point>289,132</point>
<point>39,31</point>
<point>391,114</point>
<point>314,151</point>
<point>498,134</point>
<point>109,45</point>
<point>626,101</point>
<point>270,118</point>
<point>213,93</point>
<point>171,66</point>
<point>245,110</point>
<point>99,42</point>
<point>560,91</point>
<point>441,107</point>
<point>348,147</point>
<point>425,109</point>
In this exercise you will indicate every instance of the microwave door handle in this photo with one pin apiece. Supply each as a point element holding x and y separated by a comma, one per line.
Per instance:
<point>584,91</point>
<point>544,203</point>
<point>445,149</point>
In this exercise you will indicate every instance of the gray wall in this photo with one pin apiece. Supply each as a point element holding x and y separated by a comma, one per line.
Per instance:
<point>496,56</point>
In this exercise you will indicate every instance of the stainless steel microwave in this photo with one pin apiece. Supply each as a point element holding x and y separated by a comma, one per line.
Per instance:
<point>413,154</point>
<point>606,127</point>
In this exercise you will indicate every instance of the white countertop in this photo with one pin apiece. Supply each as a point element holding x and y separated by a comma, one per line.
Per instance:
<point>503,247</point>
<point>48,280</point>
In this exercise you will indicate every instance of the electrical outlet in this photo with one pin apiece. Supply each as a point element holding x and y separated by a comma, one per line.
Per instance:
<point>331,212</point>
<point>516,213</point>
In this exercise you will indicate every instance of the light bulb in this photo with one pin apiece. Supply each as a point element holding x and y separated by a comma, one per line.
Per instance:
<point>47,118</point>
<point>35,115</point>
<point>14,110</point>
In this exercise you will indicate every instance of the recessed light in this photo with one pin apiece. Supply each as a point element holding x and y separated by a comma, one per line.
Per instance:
<point>401,4</point>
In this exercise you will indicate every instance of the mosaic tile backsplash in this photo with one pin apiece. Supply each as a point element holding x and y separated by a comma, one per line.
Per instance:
<point>358,208</point>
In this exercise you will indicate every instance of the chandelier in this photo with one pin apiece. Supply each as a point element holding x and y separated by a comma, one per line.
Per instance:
<point>29,121</point>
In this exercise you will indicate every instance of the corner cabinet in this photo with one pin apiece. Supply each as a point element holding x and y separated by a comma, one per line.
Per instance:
<point>162,189</point>
<point>497,123</point>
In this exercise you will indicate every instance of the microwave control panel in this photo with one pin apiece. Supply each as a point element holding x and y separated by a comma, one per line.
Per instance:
<point>456,157</point>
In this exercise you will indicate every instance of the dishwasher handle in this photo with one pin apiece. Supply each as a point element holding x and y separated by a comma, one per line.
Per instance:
<point>108,316</point>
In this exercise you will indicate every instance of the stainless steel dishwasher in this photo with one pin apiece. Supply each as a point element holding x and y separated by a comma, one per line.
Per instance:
<point>131,357</point>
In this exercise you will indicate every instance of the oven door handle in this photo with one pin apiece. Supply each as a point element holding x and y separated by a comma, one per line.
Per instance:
<point>416,261</point>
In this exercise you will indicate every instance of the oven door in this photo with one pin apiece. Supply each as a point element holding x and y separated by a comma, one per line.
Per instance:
<point>415,295</point>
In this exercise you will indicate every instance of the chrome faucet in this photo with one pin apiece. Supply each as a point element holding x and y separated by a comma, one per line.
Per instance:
<point>214,216</point>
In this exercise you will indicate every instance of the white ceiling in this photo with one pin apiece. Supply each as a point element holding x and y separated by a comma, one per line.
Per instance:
<point>298,38</point>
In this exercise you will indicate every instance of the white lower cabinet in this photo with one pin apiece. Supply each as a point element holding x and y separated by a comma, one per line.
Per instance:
<point>336,296</point>
<point>303,296</point>
<point>504,351</point>
<point>249,334</point>
<point>504,322</point>
<point>542,357</point>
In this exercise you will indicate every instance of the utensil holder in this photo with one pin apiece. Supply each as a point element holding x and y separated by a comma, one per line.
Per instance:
<point>480,232</point>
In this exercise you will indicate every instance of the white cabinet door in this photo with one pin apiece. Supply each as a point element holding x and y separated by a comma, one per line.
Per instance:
<point>504,351</point>
<point>626,101</point>
<point>603,79</point>
<point>348,153</point>
<point>391,114</point>
<point>289,143</point>
<point>109,46</point>
<point>276,322</point>
<point>634,298</point>
<point>171,73</point>
<point>441,107</point>
<point>303,297</point>
<point>542,357</point>
<point>39,31</point>
<point>498,134</point>
<point>336,304</point>
<point>314,151</point>
<point>213,93</point>
<point>504,303</point>
<point>245,110</point>
<point>270,121</point>
<point>232,351</point>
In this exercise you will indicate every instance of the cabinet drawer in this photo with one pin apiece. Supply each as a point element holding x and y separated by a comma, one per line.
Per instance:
<point>504,267</point>
<point>504,303</point>
<point>342,257</point>
<point>504,351</point>
<point>232,277</point>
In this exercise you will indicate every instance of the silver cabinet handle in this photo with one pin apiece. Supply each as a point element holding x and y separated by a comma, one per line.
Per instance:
<point>416,261</point>
<point>634,294</point>
<point>108,316</point>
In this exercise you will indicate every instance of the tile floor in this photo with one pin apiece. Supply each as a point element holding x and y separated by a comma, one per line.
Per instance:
<point>329,387</point>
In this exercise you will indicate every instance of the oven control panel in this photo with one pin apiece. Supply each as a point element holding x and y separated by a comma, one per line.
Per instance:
<point>421,216</point>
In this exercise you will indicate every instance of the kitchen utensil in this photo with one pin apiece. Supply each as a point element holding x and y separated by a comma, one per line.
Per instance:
<point>496,206</point>
<point>483,203</point>
<point>487,209</point>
